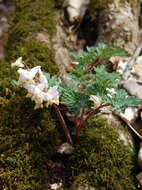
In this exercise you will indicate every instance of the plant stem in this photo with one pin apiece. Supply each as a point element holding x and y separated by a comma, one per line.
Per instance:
<point>76,119</point>
<point>63,124</point>
<point>79,123</point>
<point>95,110</point>
<point>81,118</point>
<point>92,66</point>
<point>82,121</point>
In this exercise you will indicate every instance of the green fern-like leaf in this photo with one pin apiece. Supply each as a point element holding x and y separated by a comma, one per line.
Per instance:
<point>81,80</point>
<point>105,52</point>
<point>102,51</point>
<point>120,101</point>
<point>105,79</point>
<point>87,58</point>
<point>94,89</point>
<point>73,98</point>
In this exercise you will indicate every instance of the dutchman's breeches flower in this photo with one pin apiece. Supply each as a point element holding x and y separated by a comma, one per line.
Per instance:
<point>36,84</point>
<point>28,75</point>
<point>52,96</point>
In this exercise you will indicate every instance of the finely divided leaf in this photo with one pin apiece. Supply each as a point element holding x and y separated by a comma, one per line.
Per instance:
<point>120,101</point>
<point>105,79</point>
<point>73,98</point>
<point>102,51</point>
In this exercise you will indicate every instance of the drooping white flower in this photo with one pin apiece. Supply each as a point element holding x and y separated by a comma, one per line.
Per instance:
<point>37,98</point>
<point>18,63</point>
<point>53,93</point>
<point>35,92</point>
<point>36,84</point>
<point>52,96</point>
<point>42,79</point>
<point>28,75</point>
<point>38,106</point>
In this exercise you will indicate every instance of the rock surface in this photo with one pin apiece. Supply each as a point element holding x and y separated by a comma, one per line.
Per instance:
<point>6,8</point>
<point>76,9</point>
<point>119,25</point>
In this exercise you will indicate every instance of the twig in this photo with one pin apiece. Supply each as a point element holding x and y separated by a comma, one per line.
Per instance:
<point>131,62</point>
<point>63,124</point>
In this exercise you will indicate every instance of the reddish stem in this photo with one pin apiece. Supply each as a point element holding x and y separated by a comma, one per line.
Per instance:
<point>82,114</point>
<point>76,119</point>
<point>79,124</point>
<point>95,110</point>
<point>92,67</point>
<point>82,121</point>
<point>63,124</point>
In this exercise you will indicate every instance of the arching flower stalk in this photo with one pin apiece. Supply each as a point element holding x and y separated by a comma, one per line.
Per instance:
<point>40,90</point>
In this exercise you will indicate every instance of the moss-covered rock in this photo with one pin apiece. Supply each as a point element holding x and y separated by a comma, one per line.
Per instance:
<point>100,4</point>
<point>28,141</point>
<point>101,159</point>
<point>29,19</point>
<point>28,138</point>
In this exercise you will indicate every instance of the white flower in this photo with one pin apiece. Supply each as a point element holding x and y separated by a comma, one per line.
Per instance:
<point>42,79</point>
<point>28,75</point>
<point>36,84</point>
<point>53,93</point>
<point>52,96</point>
<point>38,106</point>
<point>18,63</point>
<point>35,92</point>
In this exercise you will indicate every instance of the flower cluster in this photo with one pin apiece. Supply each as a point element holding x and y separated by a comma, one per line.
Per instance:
<point>34,81</point>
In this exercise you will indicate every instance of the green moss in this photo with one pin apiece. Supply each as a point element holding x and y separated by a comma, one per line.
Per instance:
<point>97,5</point>
<point>28,141</point>
<point>29,19</point>
<point>59,3</point>
<point>102,158</point>
<point>100,4</point>
<point>32,17</point>
<point>133,3</point>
